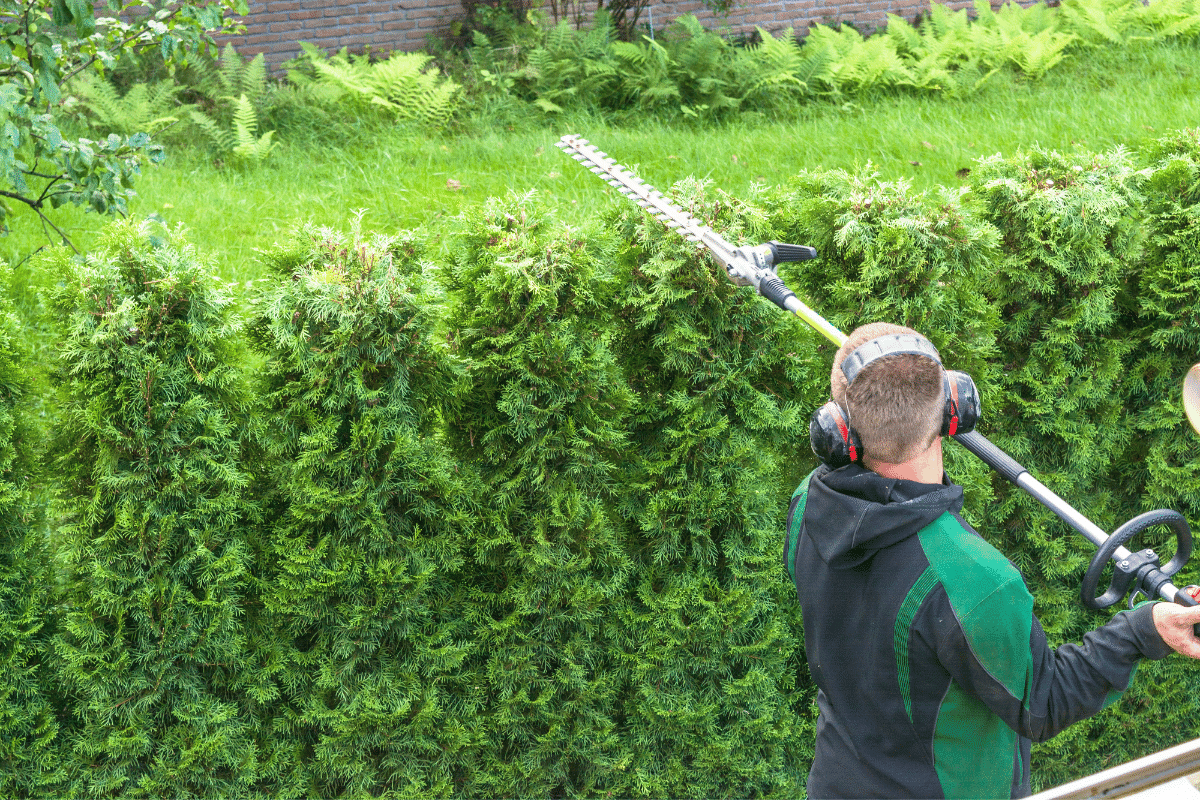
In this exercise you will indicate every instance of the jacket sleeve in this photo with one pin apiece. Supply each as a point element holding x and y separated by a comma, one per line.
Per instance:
<point>998,652</point>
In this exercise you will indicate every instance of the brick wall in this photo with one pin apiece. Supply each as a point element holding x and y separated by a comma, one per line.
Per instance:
<point>275,27</point>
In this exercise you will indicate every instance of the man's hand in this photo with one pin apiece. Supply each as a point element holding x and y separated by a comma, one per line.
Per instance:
<point>1176,625</point>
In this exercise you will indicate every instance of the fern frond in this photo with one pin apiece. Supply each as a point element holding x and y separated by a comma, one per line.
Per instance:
<point>1098,21</point>
<point>249,148</point>
<point>254,81</point>
<point>146,107</point>
<point>222,140</point>
<point>229,70</point>
<point>410,91</point>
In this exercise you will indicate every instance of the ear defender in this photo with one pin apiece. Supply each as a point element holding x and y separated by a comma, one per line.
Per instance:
<point>962,403</point>
<point>829,431</point>
<point>832,438</point>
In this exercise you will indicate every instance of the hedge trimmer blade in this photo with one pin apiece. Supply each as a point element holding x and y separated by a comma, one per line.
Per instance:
<point>642,193</point>
<point>745,266</point>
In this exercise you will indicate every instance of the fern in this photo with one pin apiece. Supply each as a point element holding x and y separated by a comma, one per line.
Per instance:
<point>230,77</point>
<point>645,75</point>
<point>221,139</point>
<point>571,64</point>
<point>401,85</point>
<point>239,142</point>
<point>250,149</point>
<point>1171,19</point>
<point>1101,21</point>
<point>146,107</point>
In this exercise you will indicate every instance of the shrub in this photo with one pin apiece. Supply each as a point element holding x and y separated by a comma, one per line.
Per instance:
<point>1068,223</point>
<point>363,634</point>
<point>151,652</point>
<point>30,746</point>
<point>544,425</point>
<point>710,631</point>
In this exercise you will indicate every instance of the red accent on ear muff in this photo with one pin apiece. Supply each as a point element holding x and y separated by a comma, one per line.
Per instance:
<point>844,430</point>
<point>953,427</point>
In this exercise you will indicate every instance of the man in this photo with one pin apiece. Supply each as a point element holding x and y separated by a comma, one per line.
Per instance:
<point>933,673</point>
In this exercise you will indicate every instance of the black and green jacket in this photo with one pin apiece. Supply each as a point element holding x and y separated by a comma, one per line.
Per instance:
<point>934,675</point>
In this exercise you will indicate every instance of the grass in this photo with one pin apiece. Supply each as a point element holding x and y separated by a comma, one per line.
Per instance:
<point>1095,100</point>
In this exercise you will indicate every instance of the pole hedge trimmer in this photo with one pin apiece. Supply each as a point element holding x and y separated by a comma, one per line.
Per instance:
<point>754,266</point>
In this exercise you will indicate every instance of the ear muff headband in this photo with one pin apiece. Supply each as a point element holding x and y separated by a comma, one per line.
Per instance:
<point>894,344</point>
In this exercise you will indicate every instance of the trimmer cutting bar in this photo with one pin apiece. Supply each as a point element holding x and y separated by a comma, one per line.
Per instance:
<point>646,196</point>
<point>746,266</point>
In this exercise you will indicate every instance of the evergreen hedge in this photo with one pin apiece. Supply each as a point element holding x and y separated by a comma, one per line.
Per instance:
<point>151,659</point>
<point>506,521</point>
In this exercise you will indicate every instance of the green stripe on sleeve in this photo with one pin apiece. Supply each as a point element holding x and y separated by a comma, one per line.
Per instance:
<point>903,630</point>
<point>789,552</point>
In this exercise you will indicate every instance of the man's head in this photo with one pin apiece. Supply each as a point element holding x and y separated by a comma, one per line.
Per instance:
<point>896,403</point>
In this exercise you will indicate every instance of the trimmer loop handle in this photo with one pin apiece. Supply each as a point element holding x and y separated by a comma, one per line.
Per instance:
<point>1140,568</point>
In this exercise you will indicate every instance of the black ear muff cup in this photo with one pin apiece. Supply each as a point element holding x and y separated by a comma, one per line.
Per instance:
<point>962,404</point>
<point>832,439</point>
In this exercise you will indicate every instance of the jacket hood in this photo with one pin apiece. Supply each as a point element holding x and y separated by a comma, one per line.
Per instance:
<point>851,512</point>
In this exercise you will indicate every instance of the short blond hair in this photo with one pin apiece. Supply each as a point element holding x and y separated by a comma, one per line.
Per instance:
<point>896,403</point>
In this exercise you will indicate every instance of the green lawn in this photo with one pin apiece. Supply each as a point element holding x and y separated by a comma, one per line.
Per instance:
<point>401,179</point>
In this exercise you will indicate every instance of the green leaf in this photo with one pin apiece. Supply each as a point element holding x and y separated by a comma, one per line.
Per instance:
<point>12,134</point>
<point>54,138</point>
<point>48,83</point>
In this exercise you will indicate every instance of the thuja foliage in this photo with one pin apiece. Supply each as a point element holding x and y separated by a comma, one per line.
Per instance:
<point>530,315</point>
<point>1069,287</point>
<point>151,657</point>
<point>1070,240</point>
<point>711,634</point>
<point>29,747</point>
<point>627,424</point>
<point>364,629</point>
<point>1158,464</point>
<point>1163,457</point>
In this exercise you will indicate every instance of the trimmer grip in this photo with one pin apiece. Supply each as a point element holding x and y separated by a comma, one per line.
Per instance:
<point>776,291</point>
<point>781,252</point>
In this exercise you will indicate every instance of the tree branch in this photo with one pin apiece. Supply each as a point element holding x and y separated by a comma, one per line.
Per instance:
<point>66,239</point>
<point>120,45</point>
<point>36,205</point>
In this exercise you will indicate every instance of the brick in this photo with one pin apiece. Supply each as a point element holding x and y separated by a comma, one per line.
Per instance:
<point>388,16</point>
<point>355,32</point>
<point>286,27</point>
<point>308,13</point>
